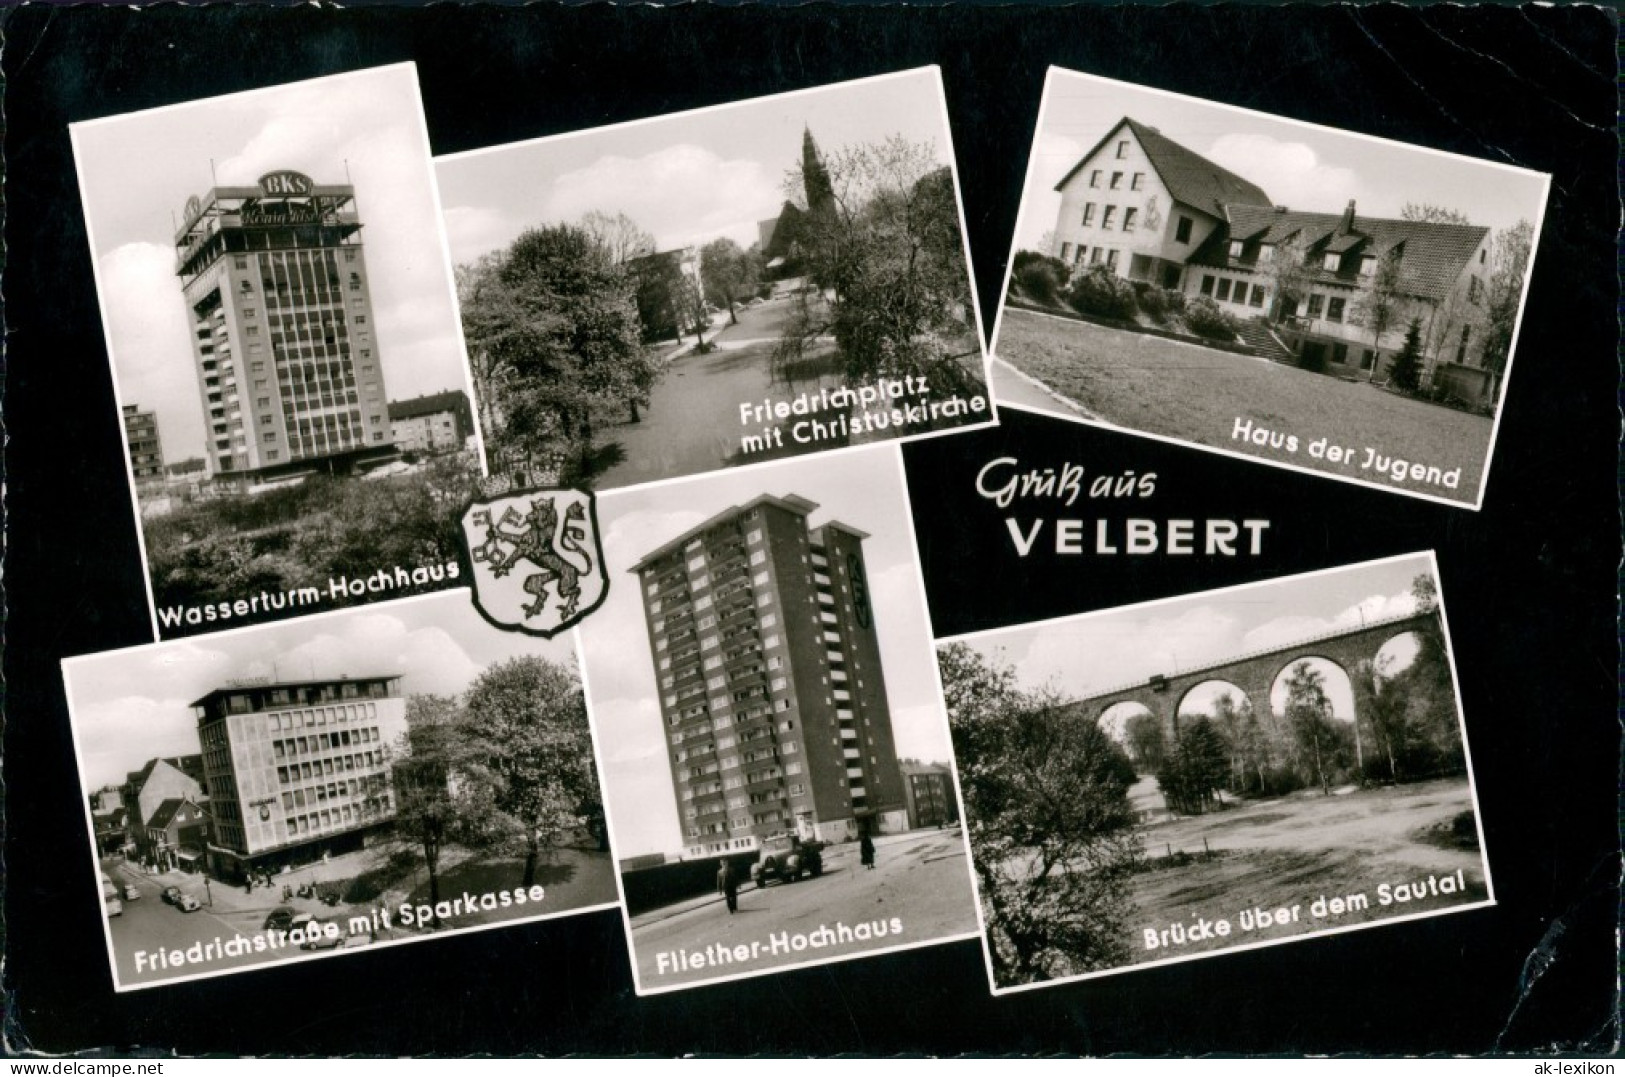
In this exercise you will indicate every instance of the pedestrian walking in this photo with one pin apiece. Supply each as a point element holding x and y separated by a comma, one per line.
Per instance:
<point>728,885</point>
<point>866,851</point>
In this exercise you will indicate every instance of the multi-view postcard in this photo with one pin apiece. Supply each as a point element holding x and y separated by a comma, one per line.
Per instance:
<point>362,778</point>
<point>773,745</point>
<point>759,280</point>
<point>281,318</point>
<point>1218,772</point>
<point>1311,298</point>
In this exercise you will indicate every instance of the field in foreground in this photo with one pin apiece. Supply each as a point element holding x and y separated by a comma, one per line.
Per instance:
<point>1290,851</point>
<point>1198,394</point>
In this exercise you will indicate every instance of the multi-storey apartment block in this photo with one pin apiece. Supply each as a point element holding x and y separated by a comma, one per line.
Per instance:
<point>298,769</point>
<point>771,688</point>
<point>146,452</point>
<point>280,310</point>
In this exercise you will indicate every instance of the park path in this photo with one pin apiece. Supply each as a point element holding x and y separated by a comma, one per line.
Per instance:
<point>692,422</point>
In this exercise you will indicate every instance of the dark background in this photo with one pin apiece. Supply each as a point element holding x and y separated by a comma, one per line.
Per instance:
<point>1528,582</point>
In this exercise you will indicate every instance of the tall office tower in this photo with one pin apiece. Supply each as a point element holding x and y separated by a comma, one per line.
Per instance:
<point>771,686</point>
<point>146,453</point>
<point>278,301</point>
<point>297,769</point>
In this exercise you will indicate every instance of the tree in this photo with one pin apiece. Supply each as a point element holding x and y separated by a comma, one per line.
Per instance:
<point>1406,371</point>
<point>1429,213</point>
<point>729,274</point>
<point>1309,717</point>
<point>619,238</point>
<point>434,802</point>
<point>1143,732</point>
<point>885,244</point>
<point>1052,831</point>
<point>1288,275</point>
<point>530,718</point>
<point>1510,261</point>
<point>1380,304</point>
<point>553,332</point>
<point>1198,765</point>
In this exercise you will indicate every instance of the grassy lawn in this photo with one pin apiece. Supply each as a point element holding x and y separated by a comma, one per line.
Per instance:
<point>1198,394</point>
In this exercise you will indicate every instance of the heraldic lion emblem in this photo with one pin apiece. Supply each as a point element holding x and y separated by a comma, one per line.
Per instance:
<point>538,564</point>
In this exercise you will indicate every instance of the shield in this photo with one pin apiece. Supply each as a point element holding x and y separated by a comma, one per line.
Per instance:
<point>537,561</point>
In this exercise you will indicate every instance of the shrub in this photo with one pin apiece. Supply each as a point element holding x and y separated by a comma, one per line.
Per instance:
<point>1153,302</point>
<point>1102,293</point>
<point>1204,318</point>
<point>1175,300</point>
<point>1040,277</point>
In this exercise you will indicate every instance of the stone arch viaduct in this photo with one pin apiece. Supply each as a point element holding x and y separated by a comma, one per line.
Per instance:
<point>1255,673</point>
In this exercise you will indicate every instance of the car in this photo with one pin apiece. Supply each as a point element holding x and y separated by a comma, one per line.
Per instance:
<point>786,858</point>
<point>280,918</point>
<point>132,892</point>
<point>322,935</point>
<point>188,903</point>
<point>171,895</point>
<point>352,942</point>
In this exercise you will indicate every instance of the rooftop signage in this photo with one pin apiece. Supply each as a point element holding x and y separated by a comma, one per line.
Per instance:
<point>286,183</point>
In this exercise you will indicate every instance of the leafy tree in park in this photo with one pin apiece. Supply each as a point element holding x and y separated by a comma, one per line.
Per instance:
<point>1309,717</point>
<point>530,721</point>
<point>1509,259</point>
<point>1051,827</point>
<point>1406,371</point>
<point>553,332</point>
<point>888,252</point>
<point>434,802</point>
<point>730,273</point>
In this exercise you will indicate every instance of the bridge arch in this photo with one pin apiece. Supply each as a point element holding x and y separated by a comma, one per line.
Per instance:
<point>1337,682</point>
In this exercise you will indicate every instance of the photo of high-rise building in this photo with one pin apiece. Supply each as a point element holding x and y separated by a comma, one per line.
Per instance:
<point>278,301</point>
<point>281,317</point>
<point>772,690</point>
<point>753,693</point>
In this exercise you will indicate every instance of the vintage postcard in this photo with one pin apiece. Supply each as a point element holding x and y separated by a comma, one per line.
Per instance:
<point>1227,770</point>
<point>758,280</point>
<point>360,778</point>
<point>1315,299</point>
<point>281,318</point>
<point>773,744</point>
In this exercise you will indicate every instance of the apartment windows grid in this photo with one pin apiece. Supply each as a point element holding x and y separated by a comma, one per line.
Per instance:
<point>263,263</point>
<point>754,561</point>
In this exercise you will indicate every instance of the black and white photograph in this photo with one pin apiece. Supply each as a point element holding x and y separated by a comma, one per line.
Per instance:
<point>1223,771</point>
<point>772,740</point>
<point>721,287</point>
<point>1316,299</point>
<point>281,319</point>
<point>355,779</point>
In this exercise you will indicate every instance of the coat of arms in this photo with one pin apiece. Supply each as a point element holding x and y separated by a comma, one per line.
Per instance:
<point>537,561</point>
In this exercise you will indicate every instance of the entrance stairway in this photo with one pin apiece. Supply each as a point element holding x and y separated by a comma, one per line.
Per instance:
<point>1263,341</point>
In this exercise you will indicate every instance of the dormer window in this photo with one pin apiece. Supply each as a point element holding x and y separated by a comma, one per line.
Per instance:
<point>1266,253</point>
<point>1368,265</point>
<point>1236,246</point>
<point>1332,262</point>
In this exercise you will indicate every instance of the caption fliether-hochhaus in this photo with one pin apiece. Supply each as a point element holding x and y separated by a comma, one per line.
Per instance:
<point>771,689</point>
<point>280,313</point>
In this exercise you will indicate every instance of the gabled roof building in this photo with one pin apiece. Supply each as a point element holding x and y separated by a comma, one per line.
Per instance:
<point>1152,210</point>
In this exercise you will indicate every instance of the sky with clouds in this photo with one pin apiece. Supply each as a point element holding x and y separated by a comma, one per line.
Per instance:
<point>137,170</point>
<point>862,488</point>
<point>130,706</point>
<point>1300,165</point>
<point>687,178</point>
<point>1094,653</point>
